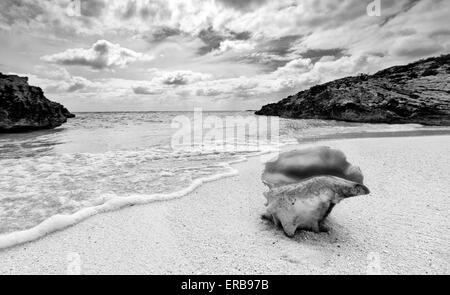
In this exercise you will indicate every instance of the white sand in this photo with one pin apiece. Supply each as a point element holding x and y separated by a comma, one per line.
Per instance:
<point>403,227</point>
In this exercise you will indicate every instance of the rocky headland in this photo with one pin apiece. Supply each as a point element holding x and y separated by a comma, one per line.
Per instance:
<point>415,93</point>
<point>25,108</point>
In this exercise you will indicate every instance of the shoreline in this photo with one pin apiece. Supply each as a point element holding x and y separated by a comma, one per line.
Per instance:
<point>60,222</point>
<point>381,134</point>
<point>172,236</point>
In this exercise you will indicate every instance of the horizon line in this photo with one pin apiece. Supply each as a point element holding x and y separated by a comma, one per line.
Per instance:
<point>163,111</point>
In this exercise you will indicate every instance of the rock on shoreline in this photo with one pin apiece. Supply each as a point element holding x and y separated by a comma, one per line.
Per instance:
<point>25,108</point>
<point>415,93</point>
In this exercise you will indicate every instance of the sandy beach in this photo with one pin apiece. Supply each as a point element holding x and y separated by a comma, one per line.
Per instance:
<point>402,227</point>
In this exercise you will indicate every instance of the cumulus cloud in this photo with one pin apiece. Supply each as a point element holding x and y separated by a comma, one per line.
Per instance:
<point>236,46</point>
<point>175,78</point>
<point>55,79</point>
<point>102,55</point>
<point>168,82</point>
<point>295,67</point>
<point>73,84</point>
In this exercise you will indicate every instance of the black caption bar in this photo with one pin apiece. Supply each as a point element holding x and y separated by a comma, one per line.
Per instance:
<point>214,284</point>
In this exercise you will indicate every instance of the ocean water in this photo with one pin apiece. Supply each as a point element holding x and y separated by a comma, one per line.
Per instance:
<point>104,161</point>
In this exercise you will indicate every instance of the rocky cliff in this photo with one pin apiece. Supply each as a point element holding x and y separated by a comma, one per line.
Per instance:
<point>414,93</point>
<point>25,108</point>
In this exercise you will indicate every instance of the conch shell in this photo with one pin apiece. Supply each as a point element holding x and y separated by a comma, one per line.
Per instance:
<point>306,184</point>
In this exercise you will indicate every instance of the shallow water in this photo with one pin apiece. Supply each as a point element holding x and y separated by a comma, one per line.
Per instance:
<point>99,156</point>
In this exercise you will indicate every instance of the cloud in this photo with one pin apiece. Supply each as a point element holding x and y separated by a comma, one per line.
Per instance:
<point>142,10</point>
<point>74,84</point>
<point>52,19</point>
<point>102,55</point>
<point>92,8</point>
<point>236,46</point>
<point>15,12</point>
<point>242,5</point>
<point>208,92</point>
<point>415,46</point>
<point>176,78</point>
<point>55,79</point>
<point>160,33</point>
<point>213,39</point>
<point>167,82</point>
<point>440,32</point>
<point>316,54</point>
<point>146,90</point>
<point>130,10</point>
<point>295,67</point>
<point>272,53</point>
<point>407,6</point>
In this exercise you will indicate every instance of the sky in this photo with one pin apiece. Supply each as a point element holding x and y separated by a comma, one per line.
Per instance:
<point>152,55</point>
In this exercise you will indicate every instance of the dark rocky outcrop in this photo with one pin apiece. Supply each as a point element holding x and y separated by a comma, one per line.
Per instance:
<point>414,93</point>
<point>25,108</point>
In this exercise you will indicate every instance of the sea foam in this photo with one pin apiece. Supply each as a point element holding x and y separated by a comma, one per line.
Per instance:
<point>59,222</point>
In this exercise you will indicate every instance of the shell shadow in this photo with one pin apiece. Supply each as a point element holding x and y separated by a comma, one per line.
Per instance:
<point>334,234</point>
